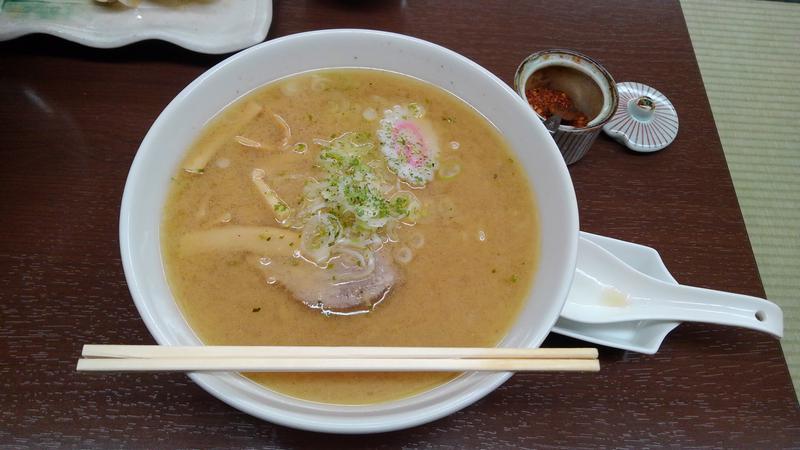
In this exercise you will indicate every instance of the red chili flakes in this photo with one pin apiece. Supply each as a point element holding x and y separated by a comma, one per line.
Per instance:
<point>547,102</point>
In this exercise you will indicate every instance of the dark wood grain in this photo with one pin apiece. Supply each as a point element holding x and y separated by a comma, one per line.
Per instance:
<point>73,118</point>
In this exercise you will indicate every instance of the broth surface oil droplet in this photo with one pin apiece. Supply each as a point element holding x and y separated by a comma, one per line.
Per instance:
<point>417,240</point>
<point>370,114</point>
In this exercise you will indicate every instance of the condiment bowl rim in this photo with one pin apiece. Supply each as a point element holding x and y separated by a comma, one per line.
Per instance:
<point>519,86</point>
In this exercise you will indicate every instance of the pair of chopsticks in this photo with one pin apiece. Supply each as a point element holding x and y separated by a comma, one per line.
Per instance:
<point>149,358</point>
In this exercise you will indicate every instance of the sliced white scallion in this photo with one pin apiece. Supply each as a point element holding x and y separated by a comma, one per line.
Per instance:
<point>405,206</point>
<point>319,83</point>
<point>391,232</point>
<point>403,255</point>
<point>247,142</point>
<point>416,110</point>
<point>347,216</point>
<point>378,99</point>
<point>417,240</point>
<point>449,169</point>
<point>319,235</point>
<point>369,114</point>
<point>351,264</point>
<point>290,88</point>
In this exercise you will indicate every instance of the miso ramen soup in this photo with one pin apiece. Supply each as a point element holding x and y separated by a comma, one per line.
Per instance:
<point>350,207</point>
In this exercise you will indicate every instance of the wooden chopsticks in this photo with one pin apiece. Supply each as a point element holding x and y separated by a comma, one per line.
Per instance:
<point>145,358</point>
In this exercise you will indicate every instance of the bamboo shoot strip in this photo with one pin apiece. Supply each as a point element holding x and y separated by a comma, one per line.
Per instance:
<point>257,240</point>
<point>276,205</point>
<point>198,162</point>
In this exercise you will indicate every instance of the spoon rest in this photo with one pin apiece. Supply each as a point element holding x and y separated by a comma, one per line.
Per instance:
<point>623,296</point>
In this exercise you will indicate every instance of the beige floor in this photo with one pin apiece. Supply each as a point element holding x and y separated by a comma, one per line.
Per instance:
<point>749,56</point>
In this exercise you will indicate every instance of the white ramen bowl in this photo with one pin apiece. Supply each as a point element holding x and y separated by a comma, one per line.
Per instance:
<point>177,127</point>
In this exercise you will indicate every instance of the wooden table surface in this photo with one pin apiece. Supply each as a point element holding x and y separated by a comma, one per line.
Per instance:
<point>74,116</point>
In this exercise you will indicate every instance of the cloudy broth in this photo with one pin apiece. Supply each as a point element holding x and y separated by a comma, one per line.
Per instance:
<point>412,187</point>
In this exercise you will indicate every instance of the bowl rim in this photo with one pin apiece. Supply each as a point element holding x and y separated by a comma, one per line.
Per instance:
<point>435,408</point>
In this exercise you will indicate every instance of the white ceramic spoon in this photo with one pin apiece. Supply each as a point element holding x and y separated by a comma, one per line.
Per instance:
<point>606,290</point>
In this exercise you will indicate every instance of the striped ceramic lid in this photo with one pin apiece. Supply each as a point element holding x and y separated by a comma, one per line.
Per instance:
<point>645,120</point>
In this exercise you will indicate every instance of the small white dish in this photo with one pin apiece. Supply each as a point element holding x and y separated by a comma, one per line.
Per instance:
<point>219,26</point>
<point>641,336</point>
<point>179,124</point>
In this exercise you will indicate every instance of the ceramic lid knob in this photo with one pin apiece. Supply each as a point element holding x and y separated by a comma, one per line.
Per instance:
<point>645,120</point>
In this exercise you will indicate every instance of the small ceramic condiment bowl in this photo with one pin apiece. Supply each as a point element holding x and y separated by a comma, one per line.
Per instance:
<point>588,84</point>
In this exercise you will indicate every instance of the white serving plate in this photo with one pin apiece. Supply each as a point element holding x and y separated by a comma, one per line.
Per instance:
<point>218,26</point>
<point>179,124</point>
